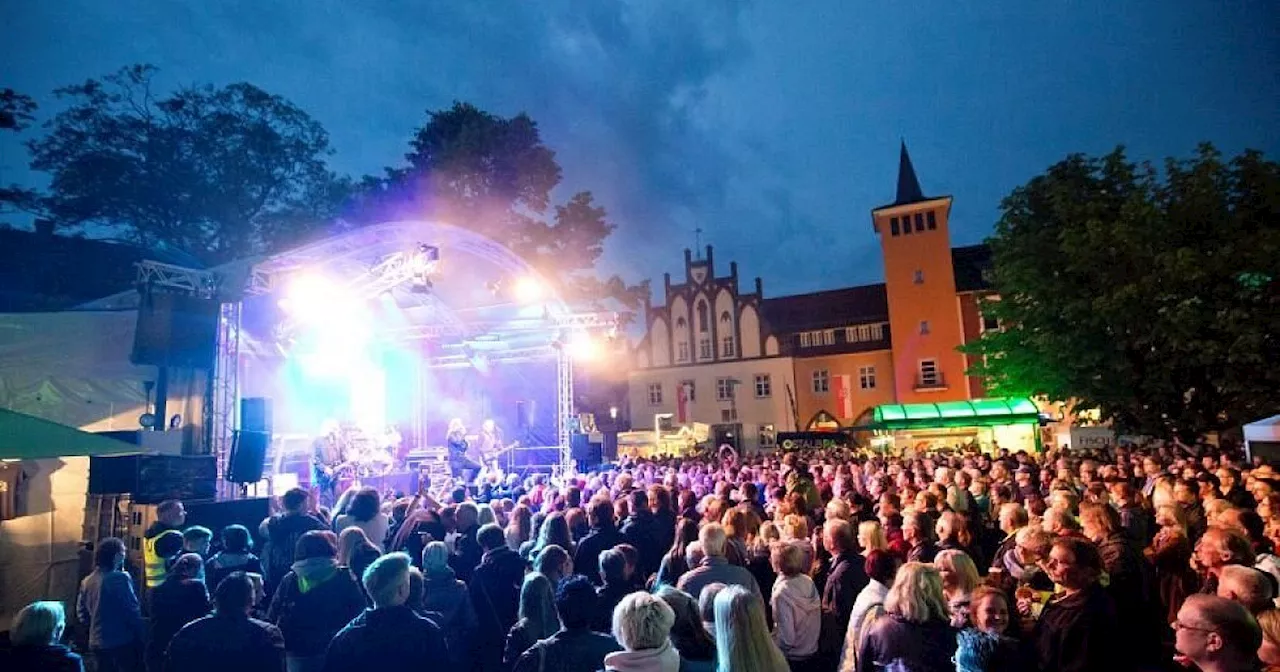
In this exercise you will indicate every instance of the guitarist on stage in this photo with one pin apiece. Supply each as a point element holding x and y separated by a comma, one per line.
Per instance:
<point>327,458</point>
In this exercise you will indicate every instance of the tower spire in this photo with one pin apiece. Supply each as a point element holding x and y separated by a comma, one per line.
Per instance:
<point>908,186</point>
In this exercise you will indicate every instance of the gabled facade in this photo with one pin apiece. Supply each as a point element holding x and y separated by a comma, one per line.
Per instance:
<point>827,357</point>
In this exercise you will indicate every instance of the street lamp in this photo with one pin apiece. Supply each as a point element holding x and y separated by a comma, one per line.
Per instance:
<point>613,413</point>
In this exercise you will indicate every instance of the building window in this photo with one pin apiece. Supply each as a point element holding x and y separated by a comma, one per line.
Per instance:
<point>680,323</point>
<point>919,277</point>
<point>724,389</point>
<point>655,394</point>
<point>867,377</point>
<point>682,351</point>
<point>933,221</point>
<point>821,381</point>
<point>924,327</point>
<point>919,222</point>
<point>764,385</point>
<point>893,226</point>
<point>929,376</point>
<point>726,346</point>
<point>728,415</point>
<point>990,323</point>
<point>725,318</point>
<point>906,226</point>
<point>813,339</point>
<point>704,348</point>
<point>768,436</point>
<point>703,321</point>
<point>864,333</point>
<point>690,390</point>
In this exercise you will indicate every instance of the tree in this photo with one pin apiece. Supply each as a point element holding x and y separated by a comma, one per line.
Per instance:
<point>220,173</point>
<point>17,111</point>
<point>1154,298</point>
<point>494,176</point>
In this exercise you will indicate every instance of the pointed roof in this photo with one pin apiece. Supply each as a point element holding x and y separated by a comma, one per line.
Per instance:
<point>908,186</point>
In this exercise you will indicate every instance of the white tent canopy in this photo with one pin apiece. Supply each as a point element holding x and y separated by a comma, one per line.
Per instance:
<point>1263,430</point>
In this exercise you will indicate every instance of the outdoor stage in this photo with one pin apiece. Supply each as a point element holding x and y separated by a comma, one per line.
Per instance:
<point>395,329</point>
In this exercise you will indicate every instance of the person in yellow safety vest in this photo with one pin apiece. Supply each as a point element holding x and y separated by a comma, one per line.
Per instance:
<point>162,541</point>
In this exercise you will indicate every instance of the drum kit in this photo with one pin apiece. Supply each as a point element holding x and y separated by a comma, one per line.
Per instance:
<point>366,455</point>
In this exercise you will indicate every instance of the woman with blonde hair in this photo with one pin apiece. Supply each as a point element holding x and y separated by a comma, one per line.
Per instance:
<point>356,551</point>
<point>537,617</point>
<point>642,625</point>
<point>1269,652</point>
<point>915,631</point>
<point>959,578</point>
<point>743,642</point>
<point>871,537</point>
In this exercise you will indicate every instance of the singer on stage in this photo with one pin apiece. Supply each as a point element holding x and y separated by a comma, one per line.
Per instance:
<point>461,465</point>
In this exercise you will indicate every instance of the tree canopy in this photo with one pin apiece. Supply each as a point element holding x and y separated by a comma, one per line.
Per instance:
<point>17,111</point>
<point>495,176</point>
<point>234,171</point>
<point>1153,296</point>
<point>219,172</point>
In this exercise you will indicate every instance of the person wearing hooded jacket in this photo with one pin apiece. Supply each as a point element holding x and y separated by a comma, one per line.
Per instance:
<point>797,607</point>
<point>315,600</point>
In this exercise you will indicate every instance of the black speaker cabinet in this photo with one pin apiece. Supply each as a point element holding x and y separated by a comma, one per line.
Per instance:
<point>151,479</point>
<point>255,414</point>
<point>248,456</point>
<point>176,330</point>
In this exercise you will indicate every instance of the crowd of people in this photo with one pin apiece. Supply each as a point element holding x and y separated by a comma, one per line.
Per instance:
<point>1133,558</point>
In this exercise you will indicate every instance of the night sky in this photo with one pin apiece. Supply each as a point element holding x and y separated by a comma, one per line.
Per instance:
<point>773,126</point>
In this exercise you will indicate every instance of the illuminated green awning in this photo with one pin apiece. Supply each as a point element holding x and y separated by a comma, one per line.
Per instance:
<point>974,413</point>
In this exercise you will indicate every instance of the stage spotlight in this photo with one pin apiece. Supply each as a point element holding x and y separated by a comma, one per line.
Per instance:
<point>308,298</point>
<point>583,347</point>
<point>529,289</point>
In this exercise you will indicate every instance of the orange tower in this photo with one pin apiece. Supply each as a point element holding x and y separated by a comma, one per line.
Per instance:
<point>924,311</point>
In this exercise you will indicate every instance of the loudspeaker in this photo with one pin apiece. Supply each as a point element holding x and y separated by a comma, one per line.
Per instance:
<point>175,330</point>
<point>151,479</point>
<point>525,412</point>
<point>255,414</point>
<point>610,448</point>
<point>584,453</point>
<point>248,456</point>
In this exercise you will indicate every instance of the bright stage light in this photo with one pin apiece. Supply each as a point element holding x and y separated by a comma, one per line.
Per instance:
<point>582,347</point>
<point>529,290</point>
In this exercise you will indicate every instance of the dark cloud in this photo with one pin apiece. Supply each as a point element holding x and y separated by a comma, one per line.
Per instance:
<point>772,126</point>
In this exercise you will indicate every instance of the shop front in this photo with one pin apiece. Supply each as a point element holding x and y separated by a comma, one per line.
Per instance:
<point>985,424</point>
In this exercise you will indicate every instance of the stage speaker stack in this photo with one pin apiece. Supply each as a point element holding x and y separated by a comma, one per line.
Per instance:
<point>585,453</point>
<point>151,479</point>
<point>249,444</point>
<point>175,330</point>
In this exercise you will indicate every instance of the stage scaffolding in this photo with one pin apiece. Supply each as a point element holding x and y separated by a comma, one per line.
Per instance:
<point>391,268</point>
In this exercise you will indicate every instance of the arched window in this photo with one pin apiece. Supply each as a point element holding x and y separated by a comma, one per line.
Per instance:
<point>680,323</point>
<point>703,319</point>
<point>725,318</point>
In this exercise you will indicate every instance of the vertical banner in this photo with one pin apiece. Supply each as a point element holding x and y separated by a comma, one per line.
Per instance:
<point>844,396</point>
<point>682,403</point>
